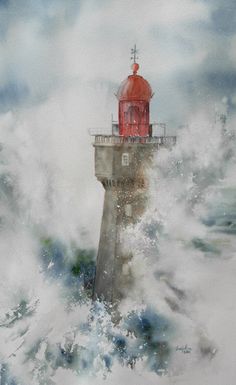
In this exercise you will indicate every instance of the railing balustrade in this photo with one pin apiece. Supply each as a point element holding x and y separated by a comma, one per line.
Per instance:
<point>158,129</point>
<point>112,139</point>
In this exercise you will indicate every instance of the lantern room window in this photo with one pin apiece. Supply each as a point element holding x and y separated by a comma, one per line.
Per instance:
<point>133,115</point>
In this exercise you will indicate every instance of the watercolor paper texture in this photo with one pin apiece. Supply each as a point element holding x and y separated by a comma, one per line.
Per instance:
<point>62,63</point>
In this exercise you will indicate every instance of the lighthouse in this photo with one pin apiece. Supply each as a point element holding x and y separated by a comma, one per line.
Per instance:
<point>122,159</point>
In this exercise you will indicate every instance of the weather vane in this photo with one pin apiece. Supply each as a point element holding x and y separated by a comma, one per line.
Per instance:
<point>134,52</point>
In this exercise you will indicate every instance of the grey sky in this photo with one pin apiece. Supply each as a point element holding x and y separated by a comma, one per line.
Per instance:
<point>187,50</point>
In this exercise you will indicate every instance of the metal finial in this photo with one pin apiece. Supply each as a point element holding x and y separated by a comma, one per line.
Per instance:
<point>134,52</point>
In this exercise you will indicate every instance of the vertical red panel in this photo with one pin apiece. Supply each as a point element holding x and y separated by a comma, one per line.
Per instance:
<point>133,118</point>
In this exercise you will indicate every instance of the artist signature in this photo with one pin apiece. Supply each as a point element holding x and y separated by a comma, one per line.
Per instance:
<point>183,349</point>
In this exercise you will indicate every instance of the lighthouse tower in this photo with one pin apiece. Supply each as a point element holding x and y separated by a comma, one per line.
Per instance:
<point>121,163</point>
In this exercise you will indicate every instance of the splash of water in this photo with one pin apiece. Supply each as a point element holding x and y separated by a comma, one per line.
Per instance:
<point>184,247</point>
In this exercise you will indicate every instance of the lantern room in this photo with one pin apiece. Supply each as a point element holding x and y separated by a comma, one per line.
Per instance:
<point>134,96</point>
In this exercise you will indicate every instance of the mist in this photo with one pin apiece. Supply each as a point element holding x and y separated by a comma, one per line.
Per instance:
<point>62,63</point>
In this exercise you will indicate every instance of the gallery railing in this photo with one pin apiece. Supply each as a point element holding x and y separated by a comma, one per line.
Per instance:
<point>112,139</point>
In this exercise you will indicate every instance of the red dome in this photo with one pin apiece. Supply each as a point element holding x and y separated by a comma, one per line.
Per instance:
<point>135,87</point>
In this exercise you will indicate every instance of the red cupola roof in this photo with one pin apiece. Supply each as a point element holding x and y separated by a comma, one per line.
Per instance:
<point>134,96</point>
<point>135,87</point>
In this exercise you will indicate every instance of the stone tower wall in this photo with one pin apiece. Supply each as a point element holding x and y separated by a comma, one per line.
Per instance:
<point>122,169</point>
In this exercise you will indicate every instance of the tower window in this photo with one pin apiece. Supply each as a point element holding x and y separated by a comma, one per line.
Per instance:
<point>128,210</point>
<point>125,159</point>
<point>126,269</point>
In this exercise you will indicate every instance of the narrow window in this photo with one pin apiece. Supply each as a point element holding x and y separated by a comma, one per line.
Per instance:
<point>125,159</point>
<point>128,210</point>
<point>126,269</point>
